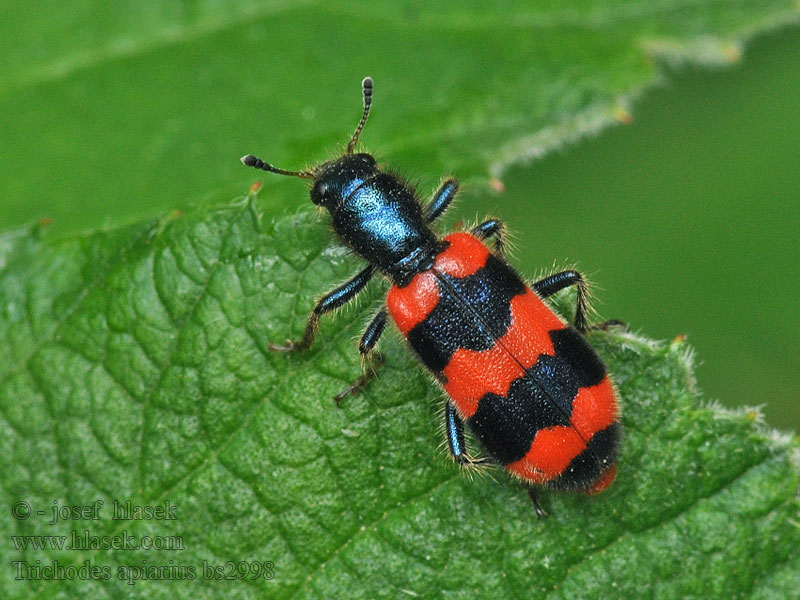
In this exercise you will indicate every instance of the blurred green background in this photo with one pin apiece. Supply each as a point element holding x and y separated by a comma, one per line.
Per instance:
<point>686,219</point>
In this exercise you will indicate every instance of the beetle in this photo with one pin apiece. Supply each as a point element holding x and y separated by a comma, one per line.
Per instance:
<point>527,384</point>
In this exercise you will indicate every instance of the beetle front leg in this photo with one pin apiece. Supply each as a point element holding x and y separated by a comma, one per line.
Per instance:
<point>441,200</point>
<point>330,301</point>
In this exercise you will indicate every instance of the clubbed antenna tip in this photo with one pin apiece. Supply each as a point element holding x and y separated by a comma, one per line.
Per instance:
<point>251,161</point>
<point>366,88</point>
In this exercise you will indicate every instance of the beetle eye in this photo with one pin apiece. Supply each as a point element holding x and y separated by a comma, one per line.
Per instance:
<point>318,192</point>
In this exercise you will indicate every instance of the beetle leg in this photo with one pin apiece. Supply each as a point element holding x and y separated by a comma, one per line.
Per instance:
<point>456,443</point>
<point>492,228</point>
<point>455,434</point>
<point>359,384</point>
<point>554,283</point>
<point>540,512</point>
<point>366,346</point>
<point>458,450</point>
<point>441,200</point>
<point>330,301</point>
<point>372,333</point>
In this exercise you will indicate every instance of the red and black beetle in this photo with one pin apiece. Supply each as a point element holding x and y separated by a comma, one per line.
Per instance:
<point>528,385</point>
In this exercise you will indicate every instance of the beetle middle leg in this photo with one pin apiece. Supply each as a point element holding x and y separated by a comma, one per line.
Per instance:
<point>493,228</point>
<point>372,360</point>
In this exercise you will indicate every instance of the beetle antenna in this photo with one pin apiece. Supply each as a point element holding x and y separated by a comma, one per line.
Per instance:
<point>366,86</point>
<point>257,163</point>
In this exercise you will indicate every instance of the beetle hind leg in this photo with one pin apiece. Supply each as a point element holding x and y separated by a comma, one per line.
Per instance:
<point>534,495</point>
<point>456,442</point>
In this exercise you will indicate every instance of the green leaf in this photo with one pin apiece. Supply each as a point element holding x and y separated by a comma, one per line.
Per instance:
<point>139,370</point>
